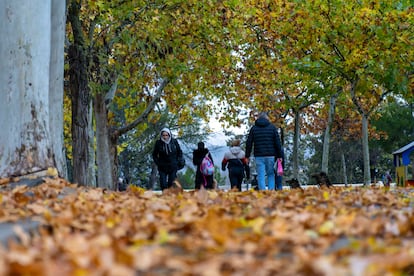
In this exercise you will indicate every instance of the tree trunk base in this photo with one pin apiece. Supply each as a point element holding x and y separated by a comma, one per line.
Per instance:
<point>31,179</point>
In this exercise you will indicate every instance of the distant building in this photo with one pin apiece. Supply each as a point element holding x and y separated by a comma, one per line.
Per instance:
<point>403,160</point>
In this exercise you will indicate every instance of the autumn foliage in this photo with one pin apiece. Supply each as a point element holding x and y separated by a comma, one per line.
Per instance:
<point>85,231</point>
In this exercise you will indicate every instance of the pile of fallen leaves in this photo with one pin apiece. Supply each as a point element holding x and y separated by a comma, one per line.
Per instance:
<point>85,231</point>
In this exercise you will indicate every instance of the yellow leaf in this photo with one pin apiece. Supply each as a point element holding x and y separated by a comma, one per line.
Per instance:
<point>51,171</point>
<point>110,223</point>
<point>212,194</point>
<point>326,227</point>
<point>256,224</point>
<point>81,272</point>
<point>163,236</point>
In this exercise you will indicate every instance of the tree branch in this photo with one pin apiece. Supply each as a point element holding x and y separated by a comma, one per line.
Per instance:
<point>144,115</point>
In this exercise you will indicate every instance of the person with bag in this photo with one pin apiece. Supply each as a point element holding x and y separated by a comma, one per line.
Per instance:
<point>205,180</point>
<point>236,162</point>
<point>279,170</point>
<point>264,140</point>
<point>166,154</point>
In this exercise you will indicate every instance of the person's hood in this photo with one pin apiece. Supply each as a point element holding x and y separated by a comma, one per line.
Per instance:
<point>262,122</point>
<point>165,129</point>
<point>235,150</point>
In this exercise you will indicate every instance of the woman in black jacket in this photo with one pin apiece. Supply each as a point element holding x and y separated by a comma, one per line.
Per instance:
<point>200,179</point>
<point>166,153</point>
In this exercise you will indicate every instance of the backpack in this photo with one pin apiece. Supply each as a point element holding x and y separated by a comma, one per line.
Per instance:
<point>180,157</point>
<point>207,166</point>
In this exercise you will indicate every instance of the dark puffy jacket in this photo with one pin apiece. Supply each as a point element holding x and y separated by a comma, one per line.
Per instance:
<point>263,139</point>
<point>166,157</point>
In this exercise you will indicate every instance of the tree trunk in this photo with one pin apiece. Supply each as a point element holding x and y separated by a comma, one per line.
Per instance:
<point>344,168</point>
<point>91,153</point>
<point>29,53</point>
<point>295,153</point>
<point>365,150</point>
<point>365,119</point>
<point>327,136</point>
<point>80,94</point>
<point>56,84</point>
<point>105,161</point>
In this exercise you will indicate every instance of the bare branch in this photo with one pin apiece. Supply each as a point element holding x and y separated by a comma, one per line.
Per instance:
<point>144,115</point>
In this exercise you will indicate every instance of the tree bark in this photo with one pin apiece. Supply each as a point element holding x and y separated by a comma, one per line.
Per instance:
<point>80,95</point>
<point>91,152</point>
<point>56,84</point>
<point>365,150</point>
<point>344,168</point>
<point>364,125</point>
<point>29,53</point>
<point>327,135</point>
<point>295,153</point>
<point>104,159</point>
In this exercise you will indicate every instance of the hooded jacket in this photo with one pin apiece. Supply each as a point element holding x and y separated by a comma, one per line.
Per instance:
<point>235,159</point>
<point>166,152</point>
<point>235,154</point>
<point>264,139</point>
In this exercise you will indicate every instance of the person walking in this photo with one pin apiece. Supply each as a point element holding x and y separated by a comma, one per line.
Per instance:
<point>236,162</point>
<point>207,181</point>
<point>264,140</point>
<point>166,153</point>
<point>279,178</point>
<point>388,179</point>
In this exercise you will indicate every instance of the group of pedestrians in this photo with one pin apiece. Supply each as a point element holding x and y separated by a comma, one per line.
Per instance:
<point>263,141</point>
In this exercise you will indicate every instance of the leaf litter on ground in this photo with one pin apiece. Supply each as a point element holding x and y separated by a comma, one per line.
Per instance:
<point>92,231</point>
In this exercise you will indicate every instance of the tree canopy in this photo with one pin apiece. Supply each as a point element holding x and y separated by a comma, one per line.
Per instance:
<point>283,57</point>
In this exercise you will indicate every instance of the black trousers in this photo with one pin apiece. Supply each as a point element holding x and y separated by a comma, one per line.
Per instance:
<point>167,179</point>
<point>236,176</point>
<point>203,180</point>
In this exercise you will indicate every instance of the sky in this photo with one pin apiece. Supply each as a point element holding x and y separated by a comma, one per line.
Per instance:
<point>218,137</point>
